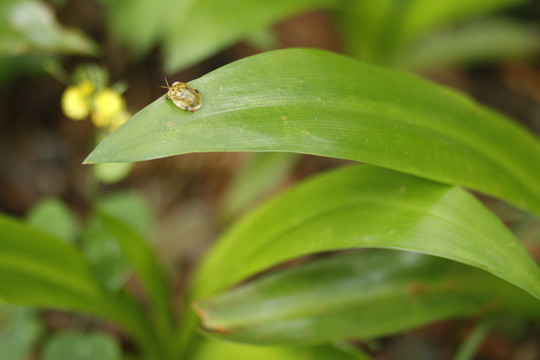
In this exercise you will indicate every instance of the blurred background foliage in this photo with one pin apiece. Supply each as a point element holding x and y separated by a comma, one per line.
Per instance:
<point>109,57</point>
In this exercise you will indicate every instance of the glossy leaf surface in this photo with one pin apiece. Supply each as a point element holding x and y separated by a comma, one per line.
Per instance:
<point>315,102</point>
<point>363,294</point>
<point>364,206</point>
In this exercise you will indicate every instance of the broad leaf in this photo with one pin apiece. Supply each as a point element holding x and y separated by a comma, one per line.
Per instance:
<point>54,217</point>
<point>496,39</point>
<point>207,26</point>
<point>104,255</point>
<point>130,207</point>
<point>74,346</point>
<point>260,174</point>
<point>363,206</point>
<point>227,350</point>
<point>376,31</point>
<point>193,30</point>
<point>315,102</point>
<point>425,15</point>
<point>30,27</point>
<point>40,270</point>
<point>20,329</point>
<point>364,294</point>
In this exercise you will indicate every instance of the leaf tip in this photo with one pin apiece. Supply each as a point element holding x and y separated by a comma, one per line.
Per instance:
<point>89,159</point>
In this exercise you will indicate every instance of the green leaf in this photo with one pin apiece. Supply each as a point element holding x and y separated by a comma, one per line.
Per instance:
<point>364,294</point>
<point>193,30</point>
<point>425,15</point>
<point>468,349</point>
<point>226,350</point>
<point>369,28</point>
<point>263,39</point>
<point>363,206</point>
<point>315,102</point>
<point>138,253</point>
<point>30,27</point>
<point>20,329</point>
<point>40,270</point>
<point>260,174</point>
<point>207,26</point>
<point>376,31</point>
<point>73,346</point>
<point>495,39</point>
<point>54,217</point>
<point>104,255</point>
<point>131,207</point>
<point>141,24</point>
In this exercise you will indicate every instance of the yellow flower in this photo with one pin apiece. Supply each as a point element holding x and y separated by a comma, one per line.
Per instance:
<point>108,105</point>
<point>75,102</point>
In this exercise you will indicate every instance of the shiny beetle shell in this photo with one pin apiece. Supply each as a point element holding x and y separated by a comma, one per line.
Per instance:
<point>184,96</point>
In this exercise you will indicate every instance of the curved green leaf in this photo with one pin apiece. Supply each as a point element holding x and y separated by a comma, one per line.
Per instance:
<point>226,350</point>
<point>40,270</point>
<point>425,15</point>
<point>315,102</point>
<point>376,31</point>
<point>75,346</point>
<point>36,267</point>
<point>20,331</point>
<point>193,30</point>
<point>480,41</point>
<point>30,27</point>
<point>364,294</point>
<point>363,206</point>
<point>144,262</point>
<point>261,173</point>
<point>207,26</point>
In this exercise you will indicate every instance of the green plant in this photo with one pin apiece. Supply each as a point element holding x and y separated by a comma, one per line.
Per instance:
<point>328,105</point>
<point>441,253</point>
<point>354,207</point>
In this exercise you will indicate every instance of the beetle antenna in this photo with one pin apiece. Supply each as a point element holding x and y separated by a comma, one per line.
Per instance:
<point>166,82</point>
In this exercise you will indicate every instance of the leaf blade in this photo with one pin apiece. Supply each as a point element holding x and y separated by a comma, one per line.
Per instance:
<point>25,259</point>
<point>363,206</point>
<point>362,294</point>
<point>145,264</point>
<point>478,42</point>
<point>37,269</point>
<point>327,105</point>
<point>210,26</point>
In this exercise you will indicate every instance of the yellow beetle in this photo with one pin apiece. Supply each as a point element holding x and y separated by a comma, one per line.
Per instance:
<point>184,96</point>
